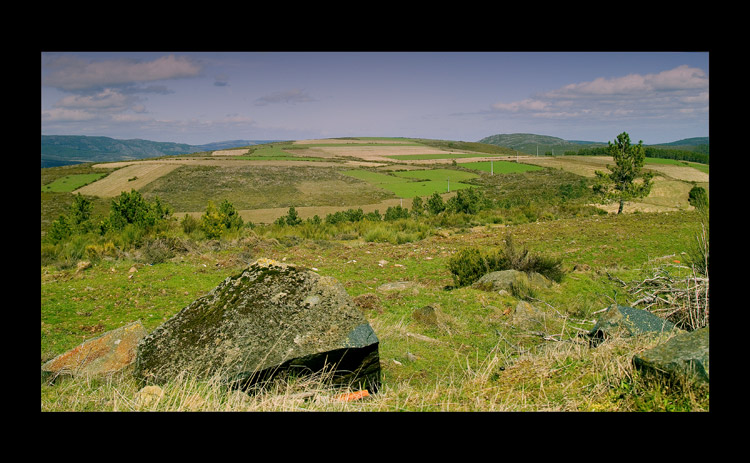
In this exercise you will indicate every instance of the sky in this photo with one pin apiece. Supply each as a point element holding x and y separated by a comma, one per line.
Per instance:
<point>204,97</point>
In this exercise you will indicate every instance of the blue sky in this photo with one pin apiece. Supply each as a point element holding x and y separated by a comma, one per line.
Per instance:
<point>204,97</point>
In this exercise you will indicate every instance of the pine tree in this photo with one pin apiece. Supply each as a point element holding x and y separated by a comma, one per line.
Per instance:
<point>620,183</point>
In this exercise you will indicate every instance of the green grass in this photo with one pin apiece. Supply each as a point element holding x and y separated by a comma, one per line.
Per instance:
<point>437,175</point>
<point>500,167</point>
<point>69,183</point>
<point>676,162</point>
<point>273,152</point>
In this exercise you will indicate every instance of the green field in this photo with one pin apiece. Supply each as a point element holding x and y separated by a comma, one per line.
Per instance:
<point>273,153</point>
<point>676,162</point>
<point>500,167</point>
<point>409,184</point>
<point>71,182</point>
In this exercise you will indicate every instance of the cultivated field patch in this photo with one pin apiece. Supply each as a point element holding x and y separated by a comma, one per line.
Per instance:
<point>233,152</point>
<point>131,177</point>
<point>71,182</point>
<point>500,167</point>
<point>438,175</point>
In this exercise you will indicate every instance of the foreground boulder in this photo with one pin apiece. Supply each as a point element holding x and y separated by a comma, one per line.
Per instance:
<point>619,320</point>
<point>109,353</point>
<point>683,358</point>
<point>270,318</point>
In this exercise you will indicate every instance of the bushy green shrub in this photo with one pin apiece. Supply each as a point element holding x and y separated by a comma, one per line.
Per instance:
<point>698,197</point>
<point>470,264</point>
<point>217,221</point>
<point>133,209</point>
<point>189,224</point>
<point>435,204</point>
<point>395,213</point>
<point>469,201</point>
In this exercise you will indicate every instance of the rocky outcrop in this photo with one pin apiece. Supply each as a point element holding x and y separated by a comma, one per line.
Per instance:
<point>109,353</point>
<point>270,318</point>
<point>620,320</point>
<point>684,358</point>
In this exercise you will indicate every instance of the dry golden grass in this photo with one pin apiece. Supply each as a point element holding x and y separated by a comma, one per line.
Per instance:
<point>234,152</point>
<point>132,176</point>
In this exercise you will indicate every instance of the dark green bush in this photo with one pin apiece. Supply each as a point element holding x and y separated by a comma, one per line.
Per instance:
<point>470,264</point>
<point>698,197</point>
<point>395,213</point>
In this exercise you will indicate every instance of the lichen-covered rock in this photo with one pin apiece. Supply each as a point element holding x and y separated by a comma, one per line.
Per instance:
<point>505,279</point>
<point>619,320</point>
<point>683,357</point>
<point>272,317</point>
<point>109,353</point>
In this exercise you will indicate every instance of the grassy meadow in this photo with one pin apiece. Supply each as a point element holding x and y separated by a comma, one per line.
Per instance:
<point>477,355</point>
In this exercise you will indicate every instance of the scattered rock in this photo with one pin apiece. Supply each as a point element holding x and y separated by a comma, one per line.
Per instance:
<point>506,279</point>
<point>148,395</point>
<point>109,353</point>
<point>396,286</point>
<point>270,318</point>
<point>684,358</point>
<point>427,315</point>
<point>620,320</point>
<point>82,265</point>
<point>368,301</point>
<point>526,316</point>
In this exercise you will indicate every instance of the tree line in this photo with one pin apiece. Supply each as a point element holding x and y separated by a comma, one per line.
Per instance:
<point>650,151</point>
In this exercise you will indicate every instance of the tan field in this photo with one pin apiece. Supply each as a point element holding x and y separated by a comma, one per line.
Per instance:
<point>130,176</point>
<point>239,152</point>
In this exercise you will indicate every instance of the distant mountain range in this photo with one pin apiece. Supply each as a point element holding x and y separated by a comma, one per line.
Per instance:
<point>530,143</point>
<point>59,150</point>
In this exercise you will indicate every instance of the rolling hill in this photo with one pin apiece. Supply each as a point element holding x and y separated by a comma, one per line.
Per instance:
<point>530,143</point>
<point>58,150</point>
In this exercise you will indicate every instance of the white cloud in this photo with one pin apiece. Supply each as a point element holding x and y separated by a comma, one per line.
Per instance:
<point>75,74</point>
<point>107,99</point>
<point>680,91</point>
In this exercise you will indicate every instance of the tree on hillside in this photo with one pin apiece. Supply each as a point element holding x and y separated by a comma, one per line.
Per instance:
<point>620,184</point>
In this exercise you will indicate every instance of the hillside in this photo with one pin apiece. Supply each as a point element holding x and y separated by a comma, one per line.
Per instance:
<point>530,143</point>
<point>57,150</point>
